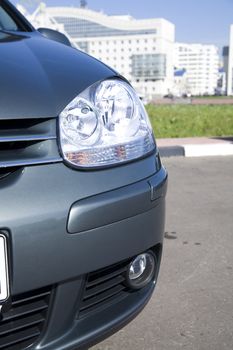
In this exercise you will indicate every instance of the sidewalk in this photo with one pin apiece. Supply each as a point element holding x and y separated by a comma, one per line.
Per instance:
<point>196,146</point>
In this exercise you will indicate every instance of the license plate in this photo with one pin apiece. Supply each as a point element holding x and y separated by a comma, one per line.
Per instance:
<point>4,286</point>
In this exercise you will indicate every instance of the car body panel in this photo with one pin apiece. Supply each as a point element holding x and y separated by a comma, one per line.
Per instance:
<point>45,77</point>
<point>65,226</point>
<point>38,213</point>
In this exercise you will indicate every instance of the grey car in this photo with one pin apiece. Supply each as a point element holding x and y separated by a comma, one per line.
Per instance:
<point>82,194</point>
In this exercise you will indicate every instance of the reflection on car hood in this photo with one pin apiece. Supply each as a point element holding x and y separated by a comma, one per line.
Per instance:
<point>39,77</point>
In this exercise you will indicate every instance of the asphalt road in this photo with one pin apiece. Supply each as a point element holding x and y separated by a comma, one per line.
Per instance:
<point>192,307</point>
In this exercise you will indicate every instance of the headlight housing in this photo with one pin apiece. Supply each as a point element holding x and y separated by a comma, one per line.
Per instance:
<point>105,125</point>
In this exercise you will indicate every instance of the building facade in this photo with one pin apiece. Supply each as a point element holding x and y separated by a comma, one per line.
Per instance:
<point>201,63</point>
<point>140,50</point>
<point>181,86</point>
<point>230,64</point>
<point>225,56</point>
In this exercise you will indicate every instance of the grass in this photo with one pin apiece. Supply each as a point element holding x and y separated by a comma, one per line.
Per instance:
<point>191,120</point>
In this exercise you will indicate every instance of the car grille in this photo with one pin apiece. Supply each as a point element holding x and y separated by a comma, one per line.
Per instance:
<point>103,288</point>
<point>23,323</point>
<point>27,142</point>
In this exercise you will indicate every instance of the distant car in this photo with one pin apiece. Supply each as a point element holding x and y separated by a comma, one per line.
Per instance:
<point>82,198</point>
<point>187,95</point>
<point>170,95</point>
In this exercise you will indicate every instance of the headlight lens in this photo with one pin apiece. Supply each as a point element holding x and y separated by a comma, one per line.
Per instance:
<point>105,125</point>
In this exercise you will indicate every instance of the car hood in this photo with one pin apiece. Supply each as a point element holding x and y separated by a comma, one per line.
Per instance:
<point>39,77</point>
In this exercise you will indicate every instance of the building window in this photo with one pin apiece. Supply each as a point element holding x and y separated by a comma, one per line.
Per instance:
<point>149,66</point>
<point>83,28</point>
<point>84,46</point>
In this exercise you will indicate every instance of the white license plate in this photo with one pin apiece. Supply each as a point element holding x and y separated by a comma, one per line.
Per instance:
<point>4,286</point>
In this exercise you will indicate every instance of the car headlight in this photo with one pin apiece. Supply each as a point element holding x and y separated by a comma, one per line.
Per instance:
<point>106,124</point>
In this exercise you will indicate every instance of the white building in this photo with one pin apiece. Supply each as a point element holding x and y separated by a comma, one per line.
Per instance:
<point>201,63</point>
<point>222,84</point>
<point>181,85</point>
<point>230,64</point>
<point>141,50</point>
<point>225,56</point>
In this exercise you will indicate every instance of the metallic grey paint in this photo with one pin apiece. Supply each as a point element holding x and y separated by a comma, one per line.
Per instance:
<point>45,77</point>
<point>113,213</point>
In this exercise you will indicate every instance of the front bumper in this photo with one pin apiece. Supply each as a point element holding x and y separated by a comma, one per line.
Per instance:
<point>62,224</point>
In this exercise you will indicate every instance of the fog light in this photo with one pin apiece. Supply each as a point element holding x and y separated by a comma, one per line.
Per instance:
<point>141,270</point>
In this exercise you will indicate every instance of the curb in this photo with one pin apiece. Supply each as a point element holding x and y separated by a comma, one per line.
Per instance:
<point>171,151</point>
<point>197,150</point>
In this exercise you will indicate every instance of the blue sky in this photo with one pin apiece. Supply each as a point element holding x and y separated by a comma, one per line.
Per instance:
<point>202,21</point>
